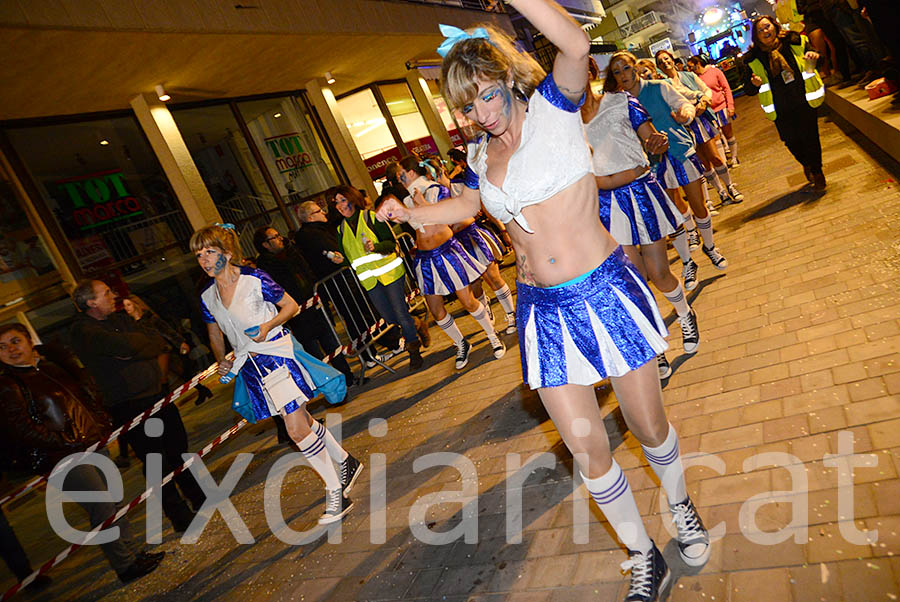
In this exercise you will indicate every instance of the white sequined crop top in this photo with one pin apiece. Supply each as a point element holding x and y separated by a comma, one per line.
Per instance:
<point>612,133</point>
<point>552,155</point>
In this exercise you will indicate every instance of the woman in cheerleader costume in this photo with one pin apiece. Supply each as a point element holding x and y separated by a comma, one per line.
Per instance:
<point>722,103</point>
<point>248,307</point>
<point>583,311</point>
<point>678,169</point>
<point>442,266</point>
<point>637,214</point>
<point>704,127</point>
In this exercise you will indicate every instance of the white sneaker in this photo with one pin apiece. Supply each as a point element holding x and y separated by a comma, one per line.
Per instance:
<point>511,323</point>
<point>712,210</point>
<point>497,346</point>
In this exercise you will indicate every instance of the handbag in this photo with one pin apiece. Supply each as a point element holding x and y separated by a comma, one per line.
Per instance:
<point>279,386</point>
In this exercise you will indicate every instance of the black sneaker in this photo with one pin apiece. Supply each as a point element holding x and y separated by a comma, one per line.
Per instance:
<point>690,332</point>
<point>718,260</point>
<point>143,564</point>
<point>351,468</point>
<point>734,195</point>
<point>650,575</point>
<point>693,539</point>
<point>693,238</point>
<point>462,354</point>
<point>665,370</point>
<point>336,506</point>
<point>689,273</point>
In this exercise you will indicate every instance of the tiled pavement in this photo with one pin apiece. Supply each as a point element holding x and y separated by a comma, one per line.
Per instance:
<point>800,344</point>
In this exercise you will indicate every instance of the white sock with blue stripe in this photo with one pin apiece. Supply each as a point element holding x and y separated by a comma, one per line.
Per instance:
<point>615,499</point>
<point>678,300</point>
<point>313,449</point>
<point>504,296</point>
<point>481,316</point>
<point>706,231</point>
<point>448,325</point>
<point>732,144</point>
<point>337,453</point>
<point>681,244</point>
<point>712,177</point>
<point>666,463</point>
<point>724,175</point>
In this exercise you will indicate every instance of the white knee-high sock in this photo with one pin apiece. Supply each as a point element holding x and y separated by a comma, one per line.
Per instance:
<point>732,145</point>
<point>313,448</point>
<point>712,176</point>
<point>666,463</point>
<point>483,299</point>
<point>452,330</point>
<point>689,220</point>
<point>484,320</point>
<point>615,499</point>
<point>720,145</point>
<point>706,232</point>
<point>680,242</point>
<point>337,453</point>
<point>724,175</point>
<point>504,296</point>
<point>678,300</point>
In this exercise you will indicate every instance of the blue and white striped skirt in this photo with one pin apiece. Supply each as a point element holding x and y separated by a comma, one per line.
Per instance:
<point>674,174</point>
<point>446,269</point>
<point>724,118</point>
<point>639,213</point>
<point>480,244</point>
<point>704,127</point>
<point>604,323</point>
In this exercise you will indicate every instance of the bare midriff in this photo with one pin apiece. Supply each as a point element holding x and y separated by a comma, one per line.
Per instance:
<point>433,237</point>
<point>459,226</point>
<point>568,239</point>
<point>621,178</point>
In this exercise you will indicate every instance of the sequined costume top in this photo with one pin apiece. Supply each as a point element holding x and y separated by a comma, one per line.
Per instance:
<point>612,133</point>
<point>552,155</point>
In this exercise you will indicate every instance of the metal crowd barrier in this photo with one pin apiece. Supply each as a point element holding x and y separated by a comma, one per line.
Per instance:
<point>352,315</point>
<point>407,244</point>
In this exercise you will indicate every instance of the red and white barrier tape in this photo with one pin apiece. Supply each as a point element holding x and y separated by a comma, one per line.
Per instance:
<point>122,512</point>
<point>174,395</point>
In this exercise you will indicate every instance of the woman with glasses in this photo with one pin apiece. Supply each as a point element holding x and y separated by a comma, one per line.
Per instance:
<point>370,247</point>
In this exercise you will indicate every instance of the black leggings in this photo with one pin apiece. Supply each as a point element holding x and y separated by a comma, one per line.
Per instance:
<point>799,130</point>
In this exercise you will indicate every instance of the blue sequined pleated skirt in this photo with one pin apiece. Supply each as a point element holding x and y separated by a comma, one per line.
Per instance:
<point>480,243</point>
<point>604,324</point>
<point>638,213</point>
<point>704,128</point>
<point>674,174</point>
<point>446,269</point>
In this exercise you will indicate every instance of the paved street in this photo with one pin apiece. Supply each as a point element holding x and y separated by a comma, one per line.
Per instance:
<point>800,341</point>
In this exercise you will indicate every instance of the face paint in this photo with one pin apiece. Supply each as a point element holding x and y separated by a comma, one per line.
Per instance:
<point>221,262</point>
<point>507,100</point>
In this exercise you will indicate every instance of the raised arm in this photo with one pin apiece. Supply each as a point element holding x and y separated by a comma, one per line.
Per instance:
<point>570,66</point>
<point>449,211</point>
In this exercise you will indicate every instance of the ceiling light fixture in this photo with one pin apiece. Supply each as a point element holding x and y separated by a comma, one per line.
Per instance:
<point>104,142</point>
<point>329,77</point>
<point>277,115</point>
<point>161,93</point>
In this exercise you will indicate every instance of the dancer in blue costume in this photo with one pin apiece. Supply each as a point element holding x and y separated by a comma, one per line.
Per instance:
<point>443,266</point>
<point>704,127</point>
<point>638,214</point>
<point>248,307</point>
<point>678,169</point>
<point>583,311</point>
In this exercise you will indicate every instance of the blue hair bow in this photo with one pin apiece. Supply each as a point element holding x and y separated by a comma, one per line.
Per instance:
<point>455,35</point>
<point>429,168</point>
<point>227,227</point>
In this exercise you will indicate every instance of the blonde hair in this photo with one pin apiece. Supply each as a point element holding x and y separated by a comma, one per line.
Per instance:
<point>610,84</point>
<point>496,59</point>
<point>218,237</point>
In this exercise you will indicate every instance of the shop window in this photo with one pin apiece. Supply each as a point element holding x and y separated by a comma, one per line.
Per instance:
<point>451,122</point>
<point>25,263</point>
<point>370,132</point>
<point>289,146</point>
<point>405,113</point>
<point>103,185</point>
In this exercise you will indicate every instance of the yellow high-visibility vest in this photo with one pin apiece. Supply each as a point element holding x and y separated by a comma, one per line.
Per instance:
<point>371,268</point>
<point>812,83</point>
